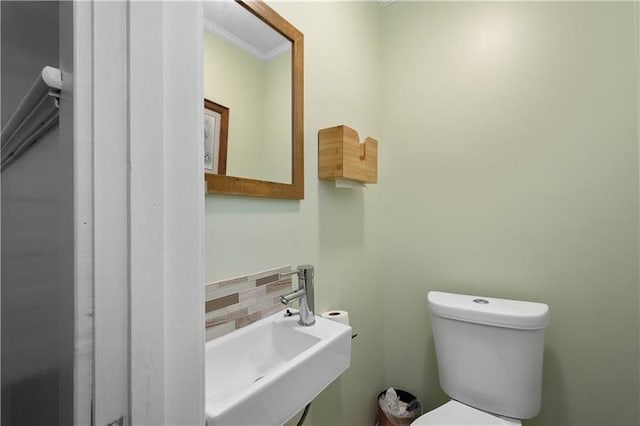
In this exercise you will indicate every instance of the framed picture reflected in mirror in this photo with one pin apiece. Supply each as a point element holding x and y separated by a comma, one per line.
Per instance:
<point>216,130</point>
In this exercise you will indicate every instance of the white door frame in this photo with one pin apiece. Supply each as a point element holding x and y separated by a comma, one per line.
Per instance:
<point>100,88</point>
<point>77,17</point>
<point>141,76</point>
<point>166,213</point>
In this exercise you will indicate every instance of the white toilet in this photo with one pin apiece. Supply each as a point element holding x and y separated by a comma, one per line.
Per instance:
<point>489,354</point>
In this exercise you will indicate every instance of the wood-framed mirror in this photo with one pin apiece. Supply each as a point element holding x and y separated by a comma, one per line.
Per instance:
<point>253,65</point>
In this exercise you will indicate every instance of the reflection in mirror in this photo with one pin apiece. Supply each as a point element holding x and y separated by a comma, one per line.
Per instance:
<point>248,68</point>
<point>216,128</point>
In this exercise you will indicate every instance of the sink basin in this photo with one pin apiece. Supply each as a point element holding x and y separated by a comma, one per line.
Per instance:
<point>267,372</point>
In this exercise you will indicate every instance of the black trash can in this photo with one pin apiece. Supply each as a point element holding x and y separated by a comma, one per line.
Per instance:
<point>414,410</point>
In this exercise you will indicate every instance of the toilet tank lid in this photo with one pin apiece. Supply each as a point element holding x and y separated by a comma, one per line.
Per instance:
<point>489,310</point>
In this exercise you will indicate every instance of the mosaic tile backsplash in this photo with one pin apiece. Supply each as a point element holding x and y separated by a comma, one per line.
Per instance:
<point>237,302</point>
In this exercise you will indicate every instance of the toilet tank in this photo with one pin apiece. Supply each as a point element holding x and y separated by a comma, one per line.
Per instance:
<point>490,351</point>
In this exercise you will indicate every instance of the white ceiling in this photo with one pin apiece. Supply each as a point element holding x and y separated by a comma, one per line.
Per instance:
<point>233,23</point>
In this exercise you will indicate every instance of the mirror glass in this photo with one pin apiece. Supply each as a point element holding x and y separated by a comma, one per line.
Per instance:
<point>248,95</point>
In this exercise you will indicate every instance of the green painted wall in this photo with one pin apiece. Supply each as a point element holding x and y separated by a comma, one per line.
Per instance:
<point>508,168</point>
<point>510,150</point>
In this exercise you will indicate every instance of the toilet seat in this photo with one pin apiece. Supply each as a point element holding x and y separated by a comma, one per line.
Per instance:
<point>457,413</point>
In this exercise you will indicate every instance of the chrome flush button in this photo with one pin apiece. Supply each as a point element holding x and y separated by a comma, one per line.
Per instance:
<point>481,301</point>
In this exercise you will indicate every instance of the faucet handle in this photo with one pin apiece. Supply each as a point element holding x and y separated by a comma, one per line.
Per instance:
<point>282,275</point>
<point>302,271</point>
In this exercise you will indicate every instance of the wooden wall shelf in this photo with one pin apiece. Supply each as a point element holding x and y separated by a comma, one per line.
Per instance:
<point>342,156</point>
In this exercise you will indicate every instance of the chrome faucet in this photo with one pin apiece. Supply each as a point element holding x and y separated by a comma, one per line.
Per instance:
<point>304,293</point>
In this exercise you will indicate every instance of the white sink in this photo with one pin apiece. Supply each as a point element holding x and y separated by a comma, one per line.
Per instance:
<point>265,373</point>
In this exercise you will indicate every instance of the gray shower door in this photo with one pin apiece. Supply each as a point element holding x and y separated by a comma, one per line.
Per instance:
<point>37,262</point>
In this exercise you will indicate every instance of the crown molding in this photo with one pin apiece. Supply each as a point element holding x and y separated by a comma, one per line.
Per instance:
<point>269,56</point>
